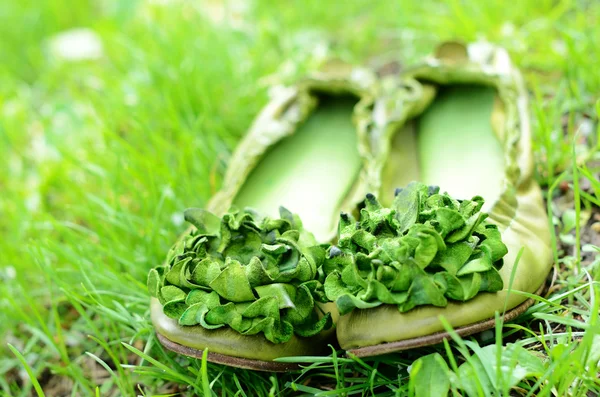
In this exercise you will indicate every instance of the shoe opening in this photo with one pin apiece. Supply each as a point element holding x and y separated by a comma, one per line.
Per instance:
<point>311,171</point>
<point>455,144</point>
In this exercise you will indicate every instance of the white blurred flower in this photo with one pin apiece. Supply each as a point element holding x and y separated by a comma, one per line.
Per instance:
<point>508,29</point>
<point>586,127</point>
<point>131,98</point>
<point>177,219</point>
<point>40,150</point>
<point>33,202</point>
<point>559,47</point>
<point>10,273</point>
<point>167,192</point>
<point>79,44</point>
<point>230,13</point>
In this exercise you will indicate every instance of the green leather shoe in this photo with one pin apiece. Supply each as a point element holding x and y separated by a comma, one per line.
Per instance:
<point>230,288</point>
<point>462,124</point>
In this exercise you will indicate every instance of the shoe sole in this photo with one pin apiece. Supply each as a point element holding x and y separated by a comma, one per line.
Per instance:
<point>438,337</point>
<point>245,363</point>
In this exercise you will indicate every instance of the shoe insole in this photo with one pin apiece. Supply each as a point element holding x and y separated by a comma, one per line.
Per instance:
<point>402,165</point>
<point>455,144</point>
<point>458,149</point>
<point>311,171</point>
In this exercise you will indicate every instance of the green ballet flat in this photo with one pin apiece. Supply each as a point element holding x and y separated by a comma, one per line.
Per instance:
<point>461,124</point>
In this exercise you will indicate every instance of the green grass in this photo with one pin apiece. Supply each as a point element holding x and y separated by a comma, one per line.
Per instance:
<point>99,158</point>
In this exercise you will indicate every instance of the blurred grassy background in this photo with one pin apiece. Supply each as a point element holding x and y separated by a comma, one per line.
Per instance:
<point>104,139</point>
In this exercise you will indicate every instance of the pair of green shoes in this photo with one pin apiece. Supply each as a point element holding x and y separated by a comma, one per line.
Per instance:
<point>271,269</point>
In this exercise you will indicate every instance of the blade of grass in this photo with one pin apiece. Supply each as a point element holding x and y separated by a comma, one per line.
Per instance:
<point>207,391</point>
<point>32,377</point>
<point>167,370</point>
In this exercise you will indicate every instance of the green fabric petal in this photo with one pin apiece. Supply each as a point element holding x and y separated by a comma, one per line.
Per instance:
<point>314,326</point>
<point>263,307</point>
<point>175,309</point>
<point>210,299</point>
<point>491,281</point>
<point>492,243</point>
<point>478,263</point>
<point>453,257</point>
<point>171,293</point>
<point>173,274</point>
<point>205,272</point>
<point>257,274</point>
<point>376,291</point>
<point>232,284</point>
<point>346,303</point>
<point>284,293</point>
<point>174,301</point>
<point>406,274</point>
<point>334,286</point>
<point>304,305</point>
<point>460,288</point>
<point>153,283</point>
<point>408,205</point>
<point>423,291</point>
<point>205,222</point>
<point>227,314</point>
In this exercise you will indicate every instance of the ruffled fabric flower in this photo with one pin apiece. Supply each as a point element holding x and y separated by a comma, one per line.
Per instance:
<point>252,274</point>
<point>427,248</point>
